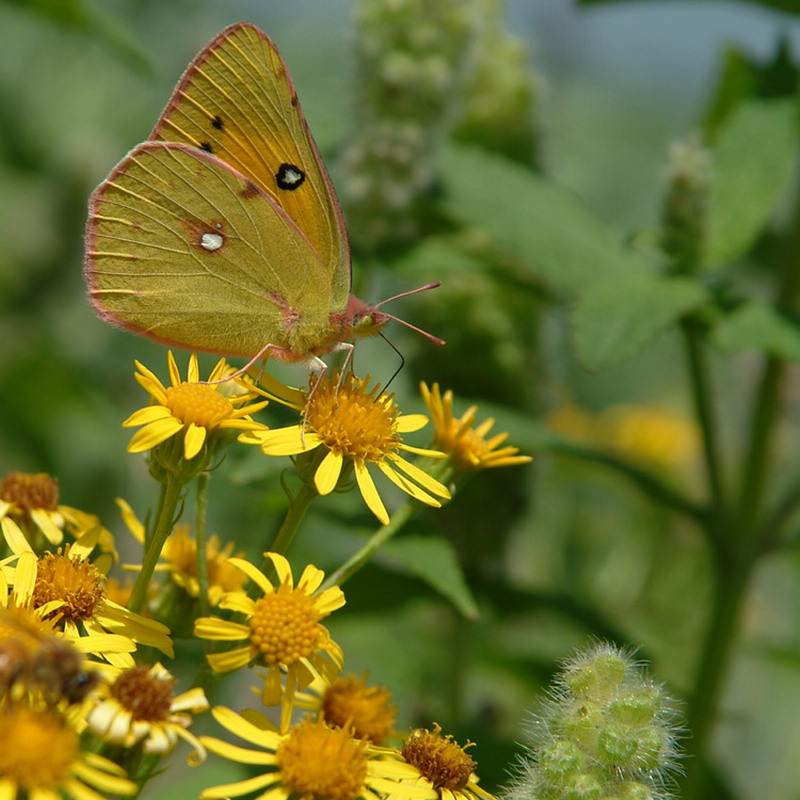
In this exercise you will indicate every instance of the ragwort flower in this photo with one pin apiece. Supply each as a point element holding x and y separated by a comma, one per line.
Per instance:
<point>312,761</point>
<point>442,765</point>
<point>41,758</point>
<point>356,426</point>
<point>468,447</point>
<point>282,631</point>
<point>139,705</point>
<point>192,408</point>
<point>71,587</point>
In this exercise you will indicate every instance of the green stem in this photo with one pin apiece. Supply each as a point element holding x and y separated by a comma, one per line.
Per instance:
<point>168,502</point>
<point>298,506</point>
<point>373,544</point>
<point>702,394</point>
<point>200,531</point>
<point>765,415</point>
<point>732,581</point>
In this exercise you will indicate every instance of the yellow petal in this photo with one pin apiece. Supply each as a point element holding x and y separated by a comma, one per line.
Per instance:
<point>131,520</point>
<point>221,630</point>
<point>408,423</point>
<point>44,521</point>
<point>230,659</point>
<point>282,568</point>
<point>240,788</point>
<point>153,434</point>
<point>172,366</point>
<point>288,441</point>
<point>253,573</point>
<point>239,726</point>
<point>370,493</point>
<point>146,415</point>
<point>408,486</point>
<point>422,478</point>
<point>14,537</point>
<point>327,474</point>
<point>232,752</point>
<point>193,440</point>
<point>193,373</point>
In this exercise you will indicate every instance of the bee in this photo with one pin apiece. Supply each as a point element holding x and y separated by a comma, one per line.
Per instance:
<point>35,658</point>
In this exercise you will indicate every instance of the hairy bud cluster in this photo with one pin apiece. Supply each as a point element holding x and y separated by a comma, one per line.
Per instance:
<point>608,733</point>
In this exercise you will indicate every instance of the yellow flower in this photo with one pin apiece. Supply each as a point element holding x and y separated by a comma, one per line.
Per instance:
<point>349,703</point>
<point>139,706</point>
<point>32,501</point>
<point>41,758</point>
<point>312,761</point>
<point>648,433</point>
<point>197,410</point>
<point>355,425</point>
<point>180,556</point>
<point>442,765</point>
<point>69,586</point>
<point>282,631</point>
<point>468,447</point>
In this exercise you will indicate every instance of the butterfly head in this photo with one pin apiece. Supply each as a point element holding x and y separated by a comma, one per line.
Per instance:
<point>368,320</point>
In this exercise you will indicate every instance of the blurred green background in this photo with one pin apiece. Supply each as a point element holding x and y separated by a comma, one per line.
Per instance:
<point>555,553</point>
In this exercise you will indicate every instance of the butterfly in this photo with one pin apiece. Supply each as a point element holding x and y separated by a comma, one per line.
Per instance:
<point>222,232</point>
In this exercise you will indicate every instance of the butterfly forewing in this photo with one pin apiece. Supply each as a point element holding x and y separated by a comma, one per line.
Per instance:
<point>186,250</point>
<point>237,102</point>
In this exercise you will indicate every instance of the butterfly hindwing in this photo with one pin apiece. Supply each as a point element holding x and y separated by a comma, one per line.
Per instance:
<point>237,102</point>
<point>186,250</point>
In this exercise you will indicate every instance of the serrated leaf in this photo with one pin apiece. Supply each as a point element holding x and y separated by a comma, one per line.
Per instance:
<point>752,165</point>
<point>544,223</point>
<point>759,326</point>
<point>434,561</point>
<point>617,320</point>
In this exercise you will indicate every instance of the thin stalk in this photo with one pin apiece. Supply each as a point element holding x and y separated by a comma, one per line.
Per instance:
<point>373,544</point>
<point>168,503</point>
<point>200,535</point>
<point>298,506</point>
<point>732,581</point>
<point>700,379</point>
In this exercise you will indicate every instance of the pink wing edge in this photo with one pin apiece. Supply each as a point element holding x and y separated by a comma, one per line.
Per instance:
<point>91,236</point>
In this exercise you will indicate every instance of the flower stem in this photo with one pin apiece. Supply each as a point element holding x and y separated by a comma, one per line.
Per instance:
<point>168,502</point>
<point>200,531</point>
<point>375,542</point>
<point>298,505</point>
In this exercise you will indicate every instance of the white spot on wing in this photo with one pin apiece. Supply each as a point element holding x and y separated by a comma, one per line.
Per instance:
<point>211,241</point>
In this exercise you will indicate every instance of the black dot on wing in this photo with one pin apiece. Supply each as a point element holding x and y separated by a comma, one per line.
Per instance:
<point>207,147</point>
<point>217,123</point>
<point>289,177</point>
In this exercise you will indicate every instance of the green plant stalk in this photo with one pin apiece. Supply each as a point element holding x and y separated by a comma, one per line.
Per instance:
<point>702,397</point>
<point>168,502</point>
<point>373,544</point>
<point>200,532</point>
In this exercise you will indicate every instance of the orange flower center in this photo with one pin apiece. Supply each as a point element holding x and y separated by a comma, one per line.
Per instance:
<point>319,762</point>
<point>198,404</point>
<point>147,696</point>
<point>36,750</point>
<point>285,627</point>
<point>366,710</point>
<point>352,421</point>
<point>30,491</point>
<point>438,758</point>
<point>78,584</point>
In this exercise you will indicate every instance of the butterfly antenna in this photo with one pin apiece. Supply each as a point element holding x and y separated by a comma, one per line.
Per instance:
<point>430,336</point>
<point>397,371</point>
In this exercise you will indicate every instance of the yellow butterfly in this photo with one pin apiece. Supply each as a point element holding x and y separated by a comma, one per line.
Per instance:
<point>222,232</point>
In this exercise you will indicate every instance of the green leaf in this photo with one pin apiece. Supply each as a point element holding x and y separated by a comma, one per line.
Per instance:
<point>547,225</point>
<point>759,326</point>
<point>434,561</point>
<point>752,165</point>
<point>617,320</point>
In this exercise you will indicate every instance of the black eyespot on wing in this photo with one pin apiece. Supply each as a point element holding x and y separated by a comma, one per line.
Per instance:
<point>207,147</point>
<point>289,177</point>
<point>217,123</point>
